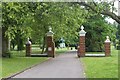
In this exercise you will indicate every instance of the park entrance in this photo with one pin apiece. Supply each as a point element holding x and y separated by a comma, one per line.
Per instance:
<point>80,49</point>
<point>50,46</point>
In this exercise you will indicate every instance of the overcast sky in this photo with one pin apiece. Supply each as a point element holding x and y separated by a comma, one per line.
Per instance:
<point>116,5</point>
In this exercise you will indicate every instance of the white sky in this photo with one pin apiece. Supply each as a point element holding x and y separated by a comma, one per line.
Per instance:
<point>116,6</point>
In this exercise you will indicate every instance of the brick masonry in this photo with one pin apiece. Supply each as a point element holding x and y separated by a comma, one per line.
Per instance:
<point>81,49</point>
<point>50,46</point>
<point>28,50</point>
<point>107,49</point>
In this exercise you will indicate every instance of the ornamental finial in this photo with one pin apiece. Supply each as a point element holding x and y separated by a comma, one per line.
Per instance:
<point>28,39</point>
<point>107,37</point>
<point>82,28</point>
<point>82,32</point>
<point>50,29</point>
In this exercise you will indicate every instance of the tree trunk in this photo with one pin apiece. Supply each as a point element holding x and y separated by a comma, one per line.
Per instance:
<point>43,47</point>
<point>9,43</point>
<point>13,43</point>
<point>19,41</point>
<point>20,44</point>
<point>4,41</point>
<point>0,40</point>
<point>105,12</point>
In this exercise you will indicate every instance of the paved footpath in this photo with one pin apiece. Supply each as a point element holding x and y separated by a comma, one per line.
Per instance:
<point>66,65</point>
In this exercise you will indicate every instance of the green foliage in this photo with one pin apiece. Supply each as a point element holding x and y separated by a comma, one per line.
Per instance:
<point>64,18</point>
<point>16,20</point>
<point>97,29</point>
<point>14,17</point>
<point>32,20</point>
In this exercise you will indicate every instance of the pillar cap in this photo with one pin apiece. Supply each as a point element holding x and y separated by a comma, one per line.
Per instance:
<point>107,39</point>
<point>82,31</point>
<point>50,33</point>
<point>28,42</point>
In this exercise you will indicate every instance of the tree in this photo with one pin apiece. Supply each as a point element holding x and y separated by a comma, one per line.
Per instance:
<point>102,8</point>
<point>97,28</point>
<point>14,23</point>
<point>64,18</point>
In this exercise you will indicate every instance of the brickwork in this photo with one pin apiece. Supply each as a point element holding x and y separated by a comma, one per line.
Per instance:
<point>50,46</point>
<point>107,49</point>
<point>28,48</point>
<point>81,49</point>
<point>107,46</point>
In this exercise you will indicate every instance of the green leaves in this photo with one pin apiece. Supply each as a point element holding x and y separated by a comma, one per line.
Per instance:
<point>97,29</point>
<point>34,19</point>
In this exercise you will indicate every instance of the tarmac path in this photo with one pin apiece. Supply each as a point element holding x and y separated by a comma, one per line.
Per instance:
<point>66,65</point>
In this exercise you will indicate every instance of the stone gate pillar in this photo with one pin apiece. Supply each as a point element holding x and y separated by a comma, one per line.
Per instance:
<point>50,44</point>
<point>81,47</point>
<point>107,46</point>
<point>28,48</point>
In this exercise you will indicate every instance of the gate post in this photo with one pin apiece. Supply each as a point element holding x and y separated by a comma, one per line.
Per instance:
<point>50,44</point>
<point>107,46</point>
<point>28,48</point>
<point>81,47</point>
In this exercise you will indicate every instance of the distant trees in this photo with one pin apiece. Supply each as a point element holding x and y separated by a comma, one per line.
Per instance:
<point>97,28</point>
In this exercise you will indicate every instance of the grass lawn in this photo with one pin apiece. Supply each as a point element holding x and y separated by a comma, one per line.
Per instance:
<point>36,50</point>
<point>60,50</point>
<point>16,64</point>
<point>101,67</point>
<point>0,68</point>
<point>19,62</point>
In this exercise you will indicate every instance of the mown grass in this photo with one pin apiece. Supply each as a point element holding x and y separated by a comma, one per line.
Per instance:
<point>0,67</point>
<point>19,62</point>
<point>60,50</point>
<point>15,64</point>
<point>102,67</point>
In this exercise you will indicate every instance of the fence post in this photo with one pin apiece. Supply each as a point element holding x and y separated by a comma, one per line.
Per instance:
<point>28,48</point>
<point>107,46</point>
<point>81,47</point>
<point>50,44</point>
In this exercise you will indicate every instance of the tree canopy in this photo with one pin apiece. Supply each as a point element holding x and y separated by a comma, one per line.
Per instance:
<point>32,19</point>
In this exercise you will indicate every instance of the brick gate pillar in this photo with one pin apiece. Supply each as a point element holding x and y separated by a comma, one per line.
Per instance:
<point>50,44</point>
<point>81,47</point>
<point>107,47</point>
<point>28,48</point>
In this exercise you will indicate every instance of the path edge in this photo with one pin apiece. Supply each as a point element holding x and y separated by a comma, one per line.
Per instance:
<point>9,77</point>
